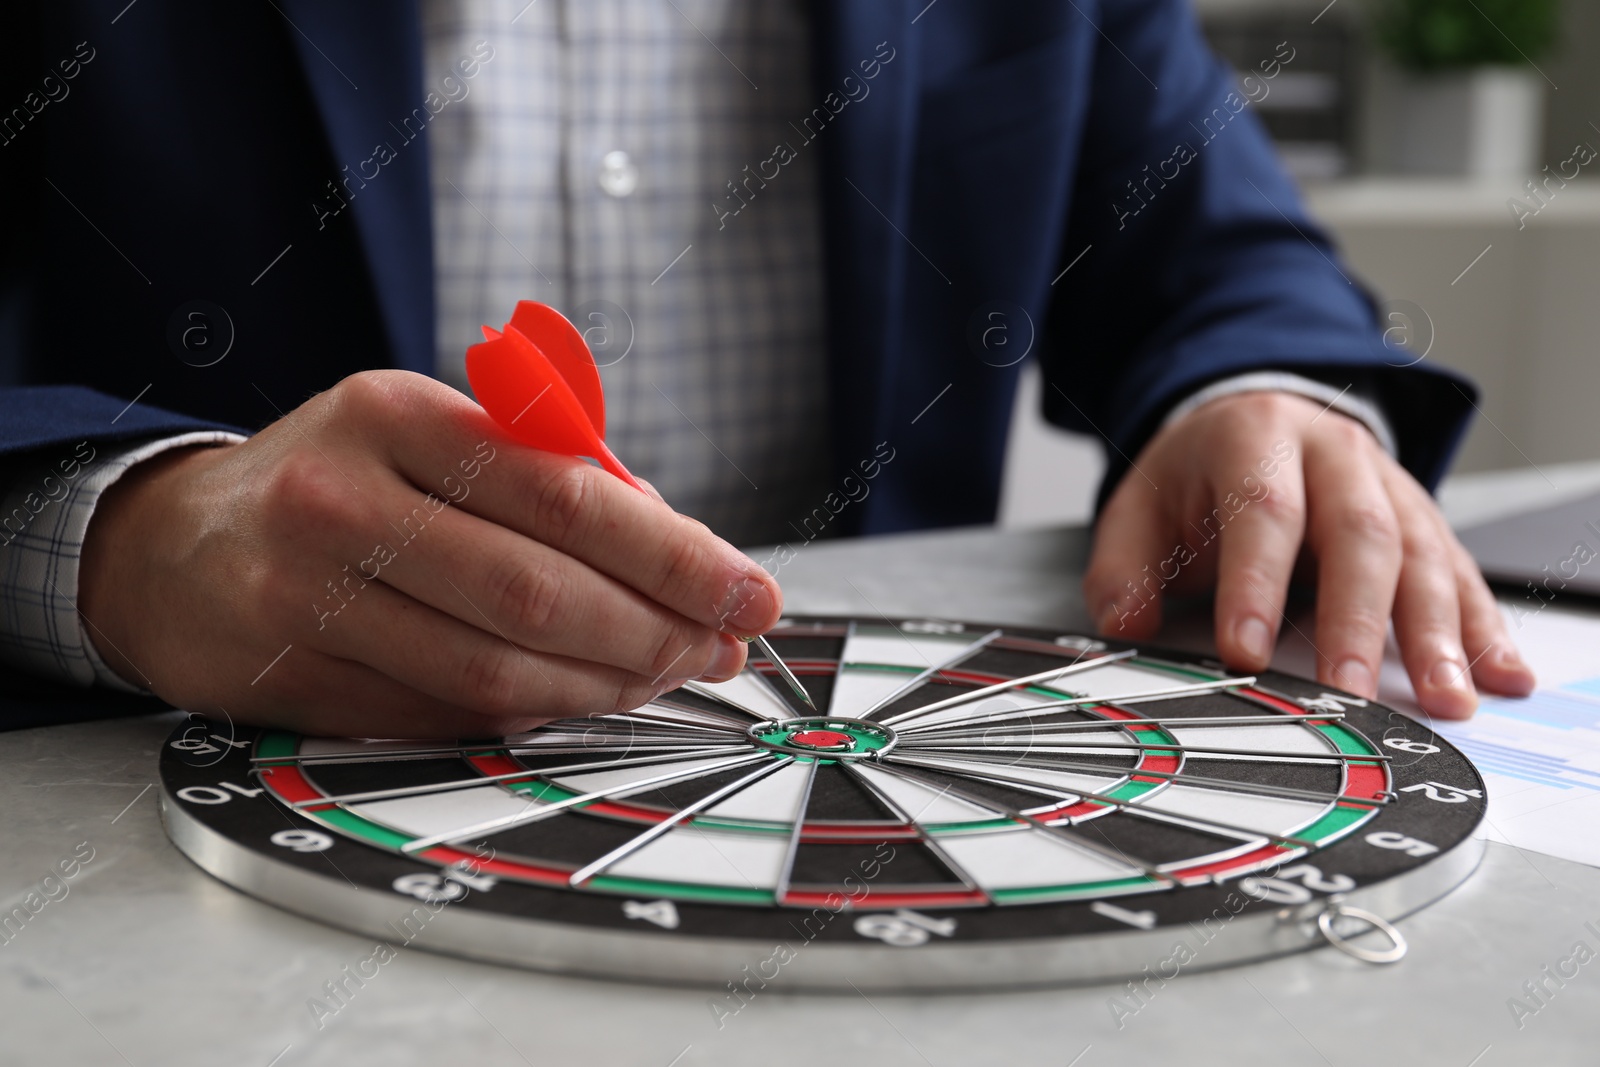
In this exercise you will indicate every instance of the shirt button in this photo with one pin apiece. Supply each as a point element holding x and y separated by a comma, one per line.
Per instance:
<point>618,175</point>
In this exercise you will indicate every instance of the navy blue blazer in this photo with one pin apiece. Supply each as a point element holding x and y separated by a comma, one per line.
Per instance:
<point>1080,168</point>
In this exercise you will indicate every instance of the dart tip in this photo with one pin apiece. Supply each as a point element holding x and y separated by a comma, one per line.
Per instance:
<point>788,675</point>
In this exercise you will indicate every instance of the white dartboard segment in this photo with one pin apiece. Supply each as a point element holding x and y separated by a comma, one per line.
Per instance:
<point>692,855</point>
<point>747,692</point>
<point>875,662</point>
<point>622,777</point>
<point>1029,858</point>
<point>1065,782</point>
<point>776,798</point>
<point>438,813</point>
<point>1230,740</point>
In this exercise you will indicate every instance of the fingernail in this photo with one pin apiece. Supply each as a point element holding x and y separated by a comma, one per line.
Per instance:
<point>749,603</point>
<point>1113,618</point>
<point>1355,676</point>
<point>727,661</point>
<point>1507,659</point>
<point>1449,674</point>
<point>1255,637</point>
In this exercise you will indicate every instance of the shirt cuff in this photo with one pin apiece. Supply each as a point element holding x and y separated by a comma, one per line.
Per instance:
<point>1343,400</point>
<point>44,514</point>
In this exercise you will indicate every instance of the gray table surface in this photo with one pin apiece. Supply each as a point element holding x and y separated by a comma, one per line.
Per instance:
<point>148,960</point>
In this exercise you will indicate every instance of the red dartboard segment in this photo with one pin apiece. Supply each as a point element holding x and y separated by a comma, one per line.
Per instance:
<point>1366,781</point>
<point>494,763</point>
<point>1363,781</point>
<point>1285,706</point>
<point>476,864</point>
<point>618,809</point>
<point>288,783</point>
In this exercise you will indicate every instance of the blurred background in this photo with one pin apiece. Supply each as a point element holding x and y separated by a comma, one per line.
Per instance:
<point>1452,148</point>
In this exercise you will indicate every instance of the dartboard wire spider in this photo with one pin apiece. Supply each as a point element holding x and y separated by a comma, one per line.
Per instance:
<point>597,727</point>
<point>653,712</point>
<point>1164,693</point>
<point>1075,667</point>
<point>1058,834</point>
<point>961,729</point>
<point>637,842</point>
<point>780,892</point>
<point>657,722</point>
<point>893,765</point>
<point>900,812</point>
<point>915,744</point>
<point>911,683</point>
<point>511,822</point>
<point>963,762</point>
<point>710,692</point>
<point>682,752</point>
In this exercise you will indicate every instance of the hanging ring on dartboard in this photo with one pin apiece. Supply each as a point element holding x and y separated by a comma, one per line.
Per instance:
<point>1336,910</point>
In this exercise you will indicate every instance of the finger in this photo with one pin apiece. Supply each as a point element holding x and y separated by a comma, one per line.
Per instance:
<point>650,488</point>
<point>1352,527</point>
<point>1427,608</point>
<point>1260,532</point>
<point>673,560</point>
<point>1123,583</point>
<point>1496,665</point>
<point>452,449</point>
<point>534,596</point>
<point>326,696</point>
<point>444,658</point>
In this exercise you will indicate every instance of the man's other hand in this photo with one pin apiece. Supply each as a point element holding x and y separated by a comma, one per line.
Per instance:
<point>1239,492</point>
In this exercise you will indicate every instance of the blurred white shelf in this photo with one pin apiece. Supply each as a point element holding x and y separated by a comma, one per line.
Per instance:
<point>1444,202</point>
<point>1468,499</point>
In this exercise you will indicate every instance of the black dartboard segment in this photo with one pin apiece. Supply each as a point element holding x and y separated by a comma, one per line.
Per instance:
<point>973,806</point>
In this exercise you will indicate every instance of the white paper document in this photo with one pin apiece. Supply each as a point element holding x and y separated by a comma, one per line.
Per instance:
<point>1541,755</point>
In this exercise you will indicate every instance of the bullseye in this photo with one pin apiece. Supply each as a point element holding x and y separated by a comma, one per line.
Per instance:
<point>822,739</point>
<point>830,737</point>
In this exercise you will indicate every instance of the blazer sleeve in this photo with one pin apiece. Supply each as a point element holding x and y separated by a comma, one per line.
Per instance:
<point>1203,263</point>
<point>38,419</point>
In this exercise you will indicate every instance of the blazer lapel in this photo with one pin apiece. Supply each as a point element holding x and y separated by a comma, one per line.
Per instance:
<point>363,62</point>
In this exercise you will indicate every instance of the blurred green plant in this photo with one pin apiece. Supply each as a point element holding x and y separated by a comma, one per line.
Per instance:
<point>1435,35</point>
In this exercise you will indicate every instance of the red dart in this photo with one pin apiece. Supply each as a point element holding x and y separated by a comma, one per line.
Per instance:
<point>538,380</point>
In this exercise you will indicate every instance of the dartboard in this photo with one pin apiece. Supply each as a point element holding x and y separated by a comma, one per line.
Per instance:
<point>963,806</point>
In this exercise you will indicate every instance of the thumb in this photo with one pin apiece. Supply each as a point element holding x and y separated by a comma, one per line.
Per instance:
<point>1123,585</point>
